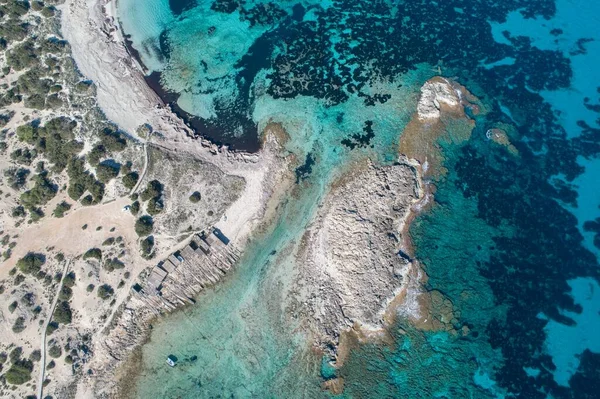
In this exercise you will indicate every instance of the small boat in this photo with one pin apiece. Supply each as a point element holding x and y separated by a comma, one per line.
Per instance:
<point>171,360</point>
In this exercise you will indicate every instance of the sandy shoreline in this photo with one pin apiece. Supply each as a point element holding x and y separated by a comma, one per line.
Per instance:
<point>98,48</point>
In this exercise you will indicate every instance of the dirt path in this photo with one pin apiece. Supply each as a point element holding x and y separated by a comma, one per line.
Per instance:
<point>44,328</point>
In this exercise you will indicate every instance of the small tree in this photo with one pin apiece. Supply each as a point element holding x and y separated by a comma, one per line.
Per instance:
<point>63,313</point>
<point>61,208</point>
<point>130,180</point>
<point>94,253</point>
<point>19,372</point>
<point>105,291</point>
<point>195,197</point>
<point>144,226</point>
<point>31,263</point>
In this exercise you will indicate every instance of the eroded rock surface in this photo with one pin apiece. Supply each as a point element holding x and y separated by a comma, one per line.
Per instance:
<point>351,266</point>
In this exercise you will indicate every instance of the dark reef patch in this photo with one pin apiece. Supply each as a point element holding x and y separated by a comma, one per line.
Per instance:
<point>178,7</point>
<point>303,171</point>
<point>361,140</point>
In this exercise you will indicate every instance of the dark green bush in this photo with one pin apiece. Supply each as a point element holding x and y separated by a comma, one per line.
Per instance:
<point>61,208</point>
<point>94,253</point>
<point>195,197</point>
<point>144,226</point>
<point>130,180</point>
<point>55,351</point>
<point>153,190</point>
<point>31,263</point>
<point>107,170</point>
<point>19,325</point>
<point>69,280</point>
<point>43,191</point>
<point>19,372</point>
<point>112,264</point>
<point>105,291</point>
<point>65,293</point>
<point>16,177</point>
<point>63,313</point>
<point>155,206</point>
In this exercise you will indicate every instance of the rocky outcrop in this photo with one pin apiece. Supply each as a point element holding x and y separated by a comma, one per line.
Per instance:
<point>434,93</point>
<point>352,259</point>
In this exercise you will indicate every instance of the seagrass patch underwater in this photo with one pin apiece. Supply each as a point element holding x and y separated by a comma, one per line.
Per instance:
<point>512,240</point>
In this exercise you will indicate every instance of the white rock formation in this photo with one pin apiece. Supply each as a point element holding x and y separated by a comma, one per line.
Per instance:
<point>434,93</point>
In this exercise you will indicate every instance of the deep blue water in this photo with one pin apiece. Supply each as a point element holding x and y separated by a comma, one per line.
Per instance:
<point>513,241</point>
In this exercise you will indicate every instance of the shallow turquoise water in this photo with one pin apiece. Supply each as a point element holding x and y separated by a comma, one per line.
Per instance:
<point>506,241</point>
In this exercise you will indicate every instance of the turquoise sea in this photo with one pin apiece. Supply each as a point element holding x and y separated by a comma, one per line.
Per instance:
<point>513,240</point>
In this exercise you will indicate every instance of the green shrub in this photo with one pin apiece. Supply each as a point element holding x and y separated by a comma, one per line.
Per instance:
<point>147,245</point>
<point>154,207</point>
<point>16,177</point>
<point>35,356</point>
<point>19,279</point>
<point>51,365</point>
<point>80,181</point>
<point>52,326</point>
<point>112,264</point>
<point>27,133</point>
<point>13,306</point>
<point>90,287</point>
<point>105,291</point>
<point>94,253</point>
<point>63,313</point>
<point>19,325</point>
<point>195,197</point>
<point>43,191</point>
<point>109,241</point>
<point>23,156</point>
<point>65,293</point>
<point>130,180</point>
<point>55,351</point>
<point>18,211</point>
<point>36,214</point>
<point>135,208</point>
<point>19,372</point>
<point>22,56</point>
<point>113,140</point>
<point>96,154</point>
<point>144,226</point>
<point>31,263</point>
<point>153,190</point>
<point>61,208</point>
<point>107,170</point>
<point>69,280</point>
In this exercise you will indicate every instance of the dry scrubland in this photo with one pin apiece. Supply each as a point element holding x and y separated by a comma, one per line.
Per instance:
<point>86,207</point>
